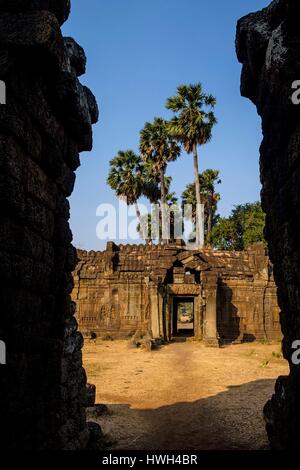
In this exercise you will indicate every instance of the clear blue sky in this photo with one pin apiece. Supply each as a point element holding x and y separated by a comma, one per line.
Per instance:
<point>138,52</point>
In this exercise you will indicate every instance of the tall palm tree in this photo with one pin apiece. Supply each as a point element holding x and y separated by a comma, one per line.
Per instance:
<point>154,223</point>
<point>158,149</point>
<point>192,126</point>
<point>151,183</point>
<point>208,180</point>
<point>209,197</point>
<point>126,177</point>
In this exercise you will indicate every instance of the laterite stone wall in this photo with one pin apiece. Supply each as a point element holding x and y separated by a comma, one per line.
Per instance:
<point>46,122</point>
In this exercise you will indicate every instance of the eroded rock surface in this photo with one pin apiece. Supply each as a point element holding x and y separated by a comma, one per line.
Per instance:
<point>268,46</point>
<point>46,122</point>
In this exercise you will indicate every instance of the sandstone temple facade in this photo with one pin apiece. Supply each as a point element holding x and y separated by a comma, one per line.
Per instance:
<point>127,288</point>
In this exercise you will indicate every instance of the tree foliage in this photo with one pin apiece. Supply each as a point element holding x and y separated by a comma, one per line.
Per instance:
<point>194,117</point>
<point>192,125</point>
<point>126,176</point>
<point>157,146</point>
<point>241,229</point>
<point>209,197</point>
<point>131,178</point>
<point>152,225</point>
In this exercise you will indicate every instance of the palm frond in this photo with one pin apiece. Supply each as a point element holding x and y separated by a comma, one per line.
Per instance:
<point>194,118</point>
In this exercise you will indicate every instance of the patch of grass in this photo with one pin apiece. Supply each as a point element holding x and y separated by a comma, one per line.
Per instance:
<point>275,355</point>
<point>265,363</point>
<point>264,341</point>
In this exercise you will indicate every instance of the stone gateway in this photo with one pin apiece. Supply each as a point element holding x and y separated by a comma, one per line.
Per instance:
<point>211,295</point>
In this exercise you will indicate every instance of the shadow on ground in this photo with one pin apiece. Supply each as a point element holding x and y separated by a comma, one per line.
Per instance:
<point>229,420</point>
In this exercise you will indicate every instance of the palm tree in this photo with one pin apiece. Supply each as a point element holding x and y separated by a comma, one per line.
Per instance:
<point>126,177</point>
<point>209,197</point>
<point>192,126</point>
<point>154,224</point>
<point>151,183</point>
<point>209,179</point>
<point>158,149</point>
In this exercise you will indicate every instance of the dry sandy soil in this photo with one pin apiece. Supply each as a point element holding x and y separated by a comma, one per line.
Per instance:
<point>183,396</point>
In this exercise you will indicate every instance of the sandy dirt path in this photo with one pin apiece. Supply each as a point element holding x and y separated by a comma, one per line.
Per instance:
<point>184,396</point>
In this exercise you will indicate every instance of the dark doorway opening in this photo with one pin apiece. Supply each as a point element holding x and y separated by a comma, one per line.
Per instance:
<point>183,316</point>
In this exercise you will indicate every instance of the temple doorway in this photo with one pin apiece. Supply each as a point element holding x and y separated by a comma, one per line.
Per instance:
<point>183,316</point>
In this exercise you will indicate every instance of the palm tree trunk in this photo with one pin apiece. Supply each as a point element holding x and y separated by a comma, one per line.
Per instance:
<point>143,233</point>
<point>199,214</point>
<point>209,220</point>
<point>209,224</point>
<point>163,203</point>
<point>138,214</point>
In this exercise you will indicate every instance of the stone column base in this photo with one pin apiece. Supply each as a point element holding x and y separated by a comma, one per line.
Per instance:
<point>211,342</point>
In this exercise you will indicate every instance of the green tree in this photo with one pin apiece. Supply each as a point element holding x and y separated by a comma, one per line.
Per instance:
<point>130,178</point>
<point>224,235</point>
<point>209,197</point>
<point>158,148</point>
<point>244,227</point>
<point>151,183</point>
<point>126,177</point>
<point>192,125</point>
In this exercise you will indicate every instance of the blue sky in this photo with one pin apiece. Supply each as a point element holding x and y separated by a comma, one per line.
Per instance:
<point>138,52</point>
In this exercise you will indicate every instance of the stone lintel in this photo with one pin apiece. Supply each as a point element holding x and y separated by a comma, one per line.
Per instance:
<point>184,289</point>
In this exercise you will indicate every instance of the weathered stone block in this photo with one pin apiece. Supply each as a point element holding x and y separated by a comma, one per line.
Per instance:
<point>90,395</point>
<point>45,394</point>
<point>61,8</point>
<point>268,47</point>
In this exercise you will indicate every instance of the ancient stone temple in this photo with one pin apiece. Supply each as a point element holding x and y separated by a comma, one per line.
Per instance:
<point>268,46</point>
<point>232,295</point>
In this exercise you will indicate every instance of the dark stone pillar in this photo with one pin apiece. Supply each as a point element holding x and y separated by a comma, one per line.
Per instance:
<point>268,46</point>
<point>46,122</point>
